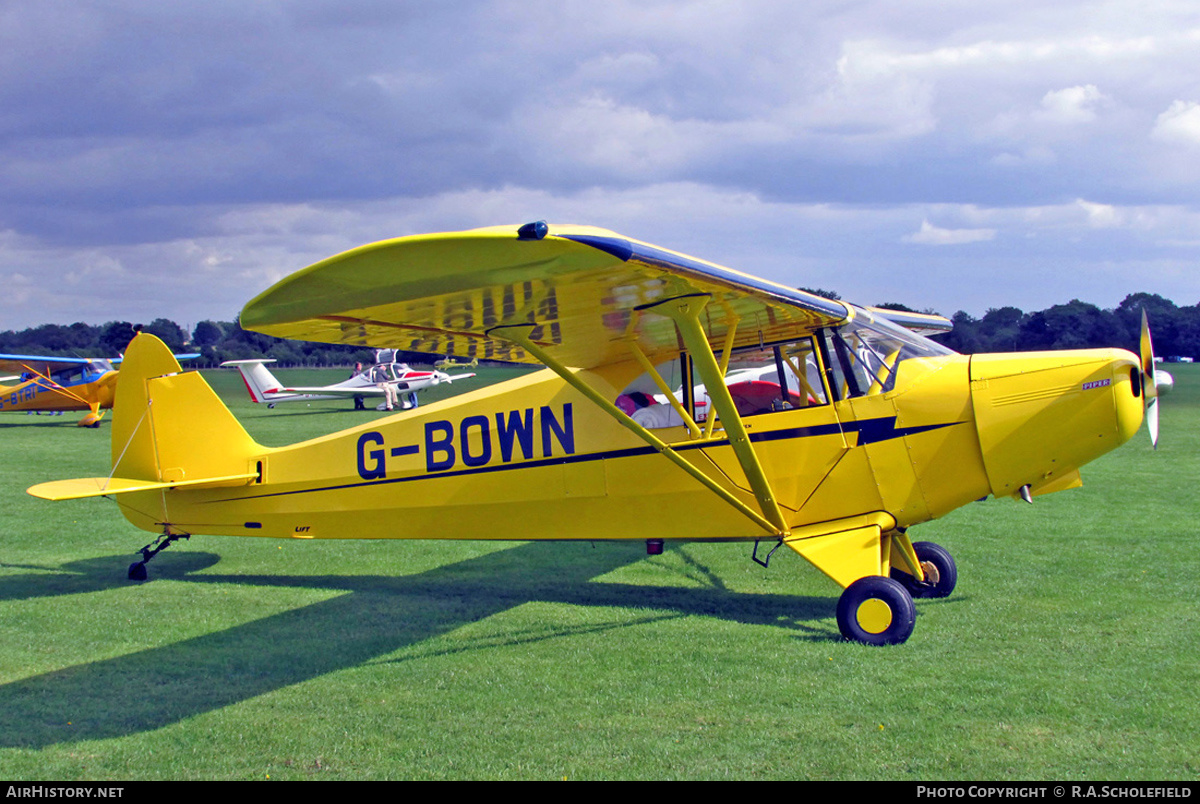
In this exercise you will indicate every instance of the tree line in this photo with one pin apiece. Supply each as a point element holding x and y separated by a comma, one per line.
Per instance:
<point>1079,325</point>
<point>215,341</point>
<point>1074,325</point>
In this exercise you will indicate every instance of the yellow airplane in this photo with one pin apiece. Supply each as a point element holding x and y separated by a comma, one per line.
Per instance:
<point>55,384</point>
<point>447,363</point>
<point>850,430</point>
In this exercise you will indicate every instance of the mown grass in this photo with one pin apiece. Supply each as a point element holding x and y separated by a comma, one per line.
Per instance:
<point>1067,652</point>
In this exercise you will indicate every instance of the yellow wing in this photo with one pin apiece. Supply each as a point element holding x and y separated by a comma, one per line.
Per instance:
<point>920,323</point>
<point>580,286</point>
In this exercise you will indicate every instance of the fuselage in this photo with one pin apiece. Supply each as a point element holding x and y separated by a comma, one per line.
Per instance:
<point>532,458</point>
<point>367,382</point>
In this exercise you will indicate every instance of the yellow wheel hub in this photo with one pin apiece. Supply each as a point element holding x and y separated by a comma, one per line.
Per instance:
<point>874,616</point>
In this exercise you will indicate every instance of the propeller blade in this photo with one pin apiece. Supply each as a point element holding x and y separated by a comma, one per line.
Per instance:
<point>1152,421</point>
<point>1149,381</point>
<point>1150,388</point>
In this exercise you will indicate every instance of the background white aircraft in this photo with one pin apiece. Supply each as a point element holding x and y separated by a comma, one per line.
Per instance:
<point>370,382</point>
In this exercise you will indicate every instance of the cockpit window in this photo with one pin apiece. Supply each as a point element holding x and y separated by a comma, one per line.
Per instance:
<point>864,356</point>
<point>70,375</point>
<point>859,358</point>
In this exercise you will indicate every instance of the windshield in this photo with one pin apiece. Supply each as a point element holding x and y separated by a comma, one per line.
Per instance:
<point>865,354</point>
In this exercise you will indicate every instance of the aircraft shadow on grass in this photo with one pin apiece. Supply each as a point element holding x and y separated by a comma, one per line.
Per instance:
<point>160,686</point>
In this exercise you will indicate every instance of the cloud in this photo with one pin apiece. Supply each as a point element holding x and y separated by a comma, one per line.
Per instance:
<point>1100,216</point>
<point>1179,124</point>
<point>176,158</point>
<point>930,235</point>
<point>1072,105</point>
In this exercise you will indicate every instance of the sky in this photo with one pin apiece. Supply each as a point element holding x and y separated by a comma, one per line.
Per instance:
<point>175,159</point>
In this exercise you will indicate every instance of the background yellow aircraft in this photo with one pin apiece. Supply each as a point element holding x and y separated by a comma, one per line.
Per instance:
<point>857,429</point>
<point>447,363</point>
<point>51,384</point>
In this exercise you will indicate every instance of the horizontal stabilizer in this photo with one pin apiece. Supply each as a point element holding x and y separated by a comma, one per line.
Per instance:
<point>80,487</point>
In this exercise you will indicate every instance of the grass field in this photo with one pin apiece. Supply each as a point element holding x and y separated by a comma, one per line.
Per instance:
<point>1069,650</point>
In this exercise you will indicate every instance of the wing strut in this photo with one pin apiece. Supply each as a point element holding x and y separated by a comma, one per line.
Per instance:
<point>685,311</point>
<point>58,388</point>
<point>519,334</point>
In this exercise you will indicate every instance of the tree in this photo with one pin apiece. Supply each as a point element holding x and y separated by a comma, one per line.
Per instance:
<point>1167,322</point>
<point>1000,329</point>
<point>207,333</point>
<point>114,337</point>
<point>964,338</point>
<point>1074,325</point>
<point>168,332</point>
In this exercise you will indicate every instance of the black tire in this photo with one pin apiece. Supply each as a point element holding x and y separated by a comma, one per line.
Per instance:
<point>942,564</point>
<point>137,571</point>
<point>876,611</point>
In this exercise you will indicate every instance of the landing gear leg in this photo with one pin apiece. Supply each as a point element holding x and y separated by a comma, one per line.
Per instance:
<point>137,570</point>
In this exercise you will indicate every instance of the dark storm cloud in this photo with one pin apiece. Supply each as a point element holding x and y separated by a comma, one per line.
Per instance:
<point>236,141</point>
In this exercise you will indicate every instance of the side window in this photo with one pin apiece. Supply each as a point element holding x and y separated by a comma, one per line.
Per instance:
<point>69,376</point>
<point>645,402</point>
<point>782,376</point>
<point>763,379</point>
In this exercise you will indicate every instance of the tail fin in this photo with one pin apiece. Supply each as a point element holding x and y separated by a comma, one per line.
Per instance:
<point>259,380</point>
<point>171,426</point>
<point>168,429</point>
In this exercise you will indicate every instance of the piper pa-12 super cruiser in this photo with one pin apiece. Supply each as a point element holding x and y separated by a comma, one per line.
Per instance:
<point>856,428</point>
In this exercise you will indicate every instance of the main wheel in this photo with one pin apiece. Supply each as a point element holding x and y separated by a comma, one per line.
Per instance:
<point>876,611</point>
<point>941,573</point>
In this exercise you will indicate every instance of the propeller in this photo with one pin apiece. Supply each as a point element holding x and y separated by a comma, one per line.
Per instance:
<point>1149,383</point>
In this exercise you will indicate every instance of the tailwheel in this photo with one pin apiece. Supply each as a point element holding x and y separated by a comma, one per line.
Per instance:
<point>876,611</point>
<point>137,570</point>
<point>941,573</point>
